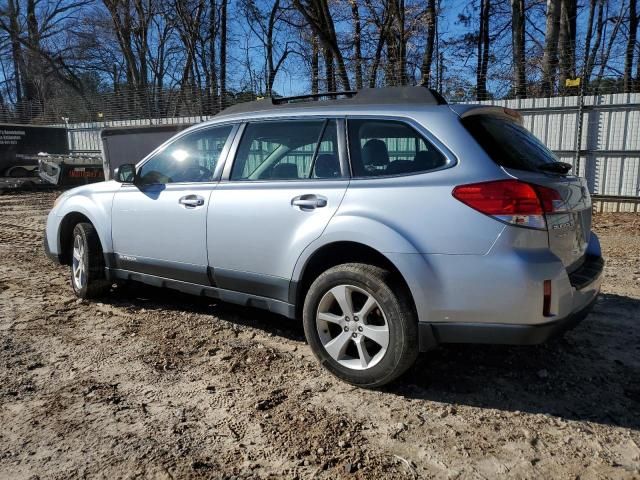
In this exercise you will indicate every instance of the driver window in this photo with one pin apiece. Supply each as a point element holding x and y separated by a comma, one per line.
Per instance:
<point>191,158</point>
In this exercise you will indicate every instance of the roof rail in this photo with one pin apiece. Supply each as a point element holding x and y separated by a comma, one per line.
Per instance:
<point>312,96</point>
<point>418,95</point>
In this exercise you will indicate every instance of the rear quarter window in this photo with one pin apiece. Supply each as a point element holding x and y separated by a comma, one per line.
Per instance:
<point>388,147</point>
<point>509,144</point>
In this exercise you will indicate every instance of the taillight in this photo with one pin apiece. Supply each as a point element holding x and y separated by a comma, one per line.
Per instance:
<point>549,198</point>
<point>510,201</point>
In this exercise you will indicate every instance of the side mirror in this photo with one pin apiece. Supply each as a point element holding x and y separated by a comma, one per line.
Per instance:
<point>125,173</point>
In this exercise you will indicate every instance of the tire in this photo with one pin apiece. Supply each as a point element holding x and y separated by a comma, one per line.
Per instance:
<point>87,263</point>
<point>355,350</point>
<point>19,172</point>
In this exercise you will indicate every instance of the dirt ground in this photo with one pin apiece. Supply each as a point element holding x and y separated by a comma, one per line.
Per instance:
<point>151,383</point>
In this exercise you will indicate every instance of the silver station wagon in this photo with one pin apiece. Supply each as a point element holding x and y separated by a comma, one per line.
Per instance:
<point>385,219</point>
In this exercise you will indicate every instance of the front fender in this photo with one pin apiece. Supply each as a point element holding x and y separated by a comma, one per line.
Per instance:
<point>95,204</point>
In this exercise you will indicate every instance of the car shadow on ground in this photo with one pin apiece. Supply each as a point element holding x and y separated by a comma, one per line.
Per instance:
<point>138,295</point>
<point>589,374</point>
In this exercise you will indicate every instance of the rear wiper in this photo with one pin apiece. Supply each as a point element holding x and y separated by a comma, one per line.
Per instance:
<point>556,167</point>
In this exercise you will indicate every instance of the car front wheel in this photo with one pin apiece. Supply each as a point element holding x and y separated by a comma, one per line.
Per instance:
<point>87,263</point>
<point>361,325</point>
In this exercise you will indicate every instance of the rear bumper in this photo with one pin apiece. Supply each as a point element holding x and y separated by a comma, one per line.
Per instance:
<point>432,335</point>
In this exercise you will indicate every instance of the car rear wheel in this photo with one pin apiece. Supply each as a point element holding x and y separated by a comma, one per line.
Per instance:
<point>87,263</point>
<point>361,324</point>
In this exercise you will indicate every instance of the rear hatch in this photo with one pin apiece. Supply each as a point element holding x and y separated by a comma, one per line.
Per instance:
<point>510,145</point>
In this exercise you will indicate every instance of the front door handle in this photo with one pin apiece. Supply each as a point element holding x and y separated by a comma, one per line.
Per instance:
<point>191,201</point>
<point>309,201</point>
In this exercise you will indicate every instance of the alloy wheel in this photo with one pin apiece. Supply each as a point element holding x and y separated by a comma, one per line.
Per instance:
<point>78,264</point>
<point>352,327</point>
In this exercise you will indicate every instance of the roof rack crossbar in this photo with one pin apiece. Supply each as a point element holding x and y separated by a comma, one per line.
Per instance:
<point>283,100</point>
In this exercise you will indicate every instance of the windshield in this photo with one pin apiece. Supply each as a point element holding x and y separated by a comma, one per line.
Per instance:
<point>509,144</point>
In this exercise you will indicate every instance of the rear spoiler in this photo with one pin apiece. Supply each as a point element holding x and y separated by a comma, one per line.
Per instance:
<point>464,111</point>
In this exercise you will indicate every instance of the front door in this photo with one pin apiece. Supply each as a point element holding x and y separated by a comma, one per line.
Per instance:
<point>285,184</point>
<point>159,225</point>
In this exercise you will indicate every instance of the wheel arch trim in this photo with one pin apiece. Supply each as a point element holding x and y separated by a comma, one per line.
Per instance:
<point>95,214</point>
<point>412,266</point>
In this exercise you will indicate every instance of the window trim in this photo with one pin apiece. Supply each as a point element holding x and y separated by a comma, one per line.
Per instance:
<point>341,139</point>
<point>427,136</point>
<point>222,159</point>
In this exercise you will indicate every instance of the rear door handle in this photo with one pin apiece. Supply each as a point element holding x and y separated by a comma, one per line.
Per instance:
<point>309,201</point>
<point>191,201</point>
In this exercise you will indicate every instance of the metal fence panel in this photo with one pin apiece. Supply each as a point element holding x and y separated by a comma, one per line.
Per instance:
<point>609,147</point>
<point>610,143</point>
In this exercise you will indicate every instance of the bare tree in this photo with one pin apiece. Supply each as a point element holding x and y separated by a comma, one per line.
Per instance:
<point>264,26</point>
<point>550,56</point>
<point>223,53</point>
<point>396,67</point>
<point>357,42</point>
<point>628,83</point>
<point>12,27</point>
<point>431,18</point>
<point>567,41</point>
<point>590,55</point>
<point>483,44</point>
<point>319,18</point>
<point>606,52</point>
<point>518,46</point>
<point>315,64</point>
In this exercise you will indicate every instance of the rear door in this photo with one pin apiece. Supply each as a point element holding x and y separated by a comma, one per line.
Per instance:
<point>522,155</point>
<point>286,182</point>
<point>159,225</point>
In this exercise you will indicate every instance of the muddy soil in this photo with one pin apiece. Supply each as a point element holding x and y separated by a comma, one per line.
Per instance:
<point>151,383</point>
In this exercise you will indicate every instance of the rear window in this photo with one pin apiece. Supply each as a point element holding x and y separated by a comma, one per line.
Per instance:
<point>509,144</point>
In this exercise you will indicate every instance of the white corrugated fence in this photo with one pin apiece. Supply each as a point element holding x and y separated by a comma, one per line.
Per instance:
<point>609,148</point>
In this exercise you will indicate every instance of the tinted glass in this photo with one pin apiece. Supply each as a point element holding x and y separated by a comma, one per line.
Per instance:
<point>287,150</point>
<point>381,147</point>
<point>192,158</point>
<point>508,144</point>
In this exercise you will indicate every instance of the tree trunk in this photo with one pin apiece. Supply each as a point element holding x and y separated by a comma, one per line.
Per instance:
<point>591,56</point>
<point>427,58</point>
<point>33,71</point>
<point>213,78</point>
<point>16,48</point>
<point>329,71</point>
<point>357,42</point>
<point>396,71</point>
<point>518,44</point>
<point>567,41</point>
<point>607,52</point>
<point>550,56</point>
<point>315,65</point>
<point>223,54</point>
<point>271,68</point>
<point>628,83</point>
<point>483,51</point>
<point>318,16</point>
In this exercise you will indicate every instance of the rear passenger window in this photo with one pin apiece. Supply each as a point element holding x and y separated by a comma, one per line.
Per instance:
<point>287,150</point>
<point>383,147</point>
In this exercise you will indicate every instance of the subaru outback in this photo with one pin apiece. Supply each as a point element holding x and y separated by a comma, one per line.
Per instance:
<point>387,220</point>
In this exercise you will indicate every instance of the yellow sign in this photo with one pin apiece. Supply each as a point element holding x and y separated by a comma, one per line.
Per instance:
<point>572,82</point>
